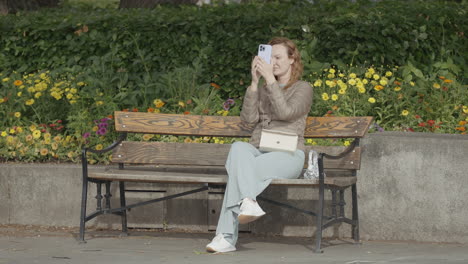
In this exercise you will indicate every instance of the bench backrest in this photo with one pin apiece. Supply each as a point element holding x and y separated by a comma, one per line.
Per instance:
<point>222,126</point>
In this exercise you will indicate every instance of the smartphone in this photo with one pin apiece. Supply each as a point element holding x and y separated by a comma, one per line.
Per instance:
<point>264,52</point>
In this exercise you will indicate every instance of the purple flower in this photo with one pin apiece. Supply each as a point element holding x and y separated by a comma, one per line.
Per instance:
<point>379,128</point>
<point>105,119</point>
<point>226,106</point>
<point>86,135</point>
<point>101,125</point>
<point>230,101</point>
<point>101,131</point>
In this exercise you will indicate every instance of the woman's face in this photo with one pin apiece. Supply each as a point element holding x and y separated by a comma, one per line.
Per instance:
<point>281,62</point>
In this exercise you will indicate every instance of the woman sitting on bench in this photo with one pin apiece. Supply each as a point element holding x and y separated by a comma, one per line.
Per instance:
<point>281,104</point>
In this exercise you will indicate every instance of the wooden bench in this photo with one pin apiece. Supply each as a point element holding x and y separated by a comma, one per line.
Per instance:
<point>193,163</point>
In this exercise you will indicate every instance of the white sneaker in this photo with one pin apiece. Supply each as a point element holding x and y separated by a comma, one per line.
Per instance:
<point>249,211</point>
<point>220,245</point>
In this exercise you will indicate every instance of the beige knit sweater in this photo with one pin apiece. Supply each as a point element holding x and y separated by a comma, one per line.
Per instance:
<point>278,109</point>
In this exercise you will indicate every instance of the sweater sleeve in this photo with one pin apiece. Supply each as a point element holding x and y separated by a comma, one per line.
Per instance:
<point>249,112</point>
<point>297,105</point>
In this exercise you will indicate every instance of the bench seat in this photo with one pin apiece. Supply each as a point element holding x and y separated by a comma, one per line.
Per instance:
<point>201,178</point>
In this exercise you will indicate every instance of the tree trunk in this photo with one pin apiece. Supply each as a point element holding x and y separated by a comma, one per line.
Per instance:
<point>3,7</point>
<point>48,3</point>
<point>13,6</point>
<point>17,5</point>
<point>151,3</point>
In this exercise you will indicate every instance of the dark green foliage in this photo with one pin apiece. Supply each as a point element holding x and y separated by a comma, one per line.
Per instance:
<point>144,43</point>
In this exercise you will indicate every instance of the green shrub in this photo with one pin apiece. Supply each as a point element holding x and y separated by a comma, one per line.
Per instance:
<point>223,39</point>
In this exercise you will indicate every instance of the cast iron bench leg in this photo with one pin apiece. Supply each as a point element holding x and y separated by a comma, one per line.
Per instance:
<point>318,233</point>
<point>84,196</point>
<point>124,212</point>
<point>355,233</point>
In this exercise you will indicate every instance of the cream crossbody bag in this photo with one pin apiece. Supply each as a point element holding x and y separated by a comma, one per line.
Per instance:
<point>274,140</point>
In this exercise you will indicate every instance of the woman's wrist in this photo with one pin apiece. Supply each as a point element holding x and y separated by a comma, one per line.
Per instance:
<point>270,80</point>
<point>253,86</point>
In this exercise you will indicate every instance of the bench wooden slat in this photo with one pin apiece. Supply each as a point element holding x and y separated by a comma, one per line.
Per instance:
<point>231,126</point>
<point>195,178</point>
<point>133,152</point>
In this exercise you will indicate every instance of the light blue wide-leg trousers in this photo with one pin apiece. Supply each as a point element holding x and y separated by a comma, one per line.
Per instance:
<point>250,171</point>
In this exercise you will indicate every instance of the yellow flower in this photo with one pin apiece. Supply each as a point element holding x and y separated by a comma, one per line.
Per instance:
<point>19,94</point>
<point>47,135</point>
<point>18,82</point>
<point>343,86</point>
<point>29,102</point>
<point>383,82</point>
<point>58,138</point>
<point>411,83</point>
<point>330,83</point>
<point>4,134</point>
<point>318,83</point>
<point>99,103</point>
<point>69,96</point>
<point>80,83</point>
<point>362,90</point>
<point>44,151</point>
<point>181,104</point>
<point>32,127</point>
<point>465,109</point>
<point>5,79</point>
<point>376,77</point>
<point>331,76</point>
<point>378,87</point>
<point>73,90</point>
<point>448,81</point>
<point>188,140</point>
<point>365,81</point>
<point>12,131</point>
<point>95,128</point>
<point>19,129</point>
<point>398,88</point>
<point>388,74</point>
<point>334,97</point>
<point>157,111</point>
<point>352,76</point>
<point>352,82</point>
<point>325,97</point>
<point>404,112</point>
<point>341,75</point>
<point>436,86</point>
<point>158,103</point>
<point>332,71</point>
<point>2,100</point>
<point>371,70</point>
<point>29,137</point>
<point>37,95</point>
<point>311,141</point>
<point>99,146</point>
<point>54,146</point>
<point>71,154</point>
<point>368,75</point>
<point>371,100</point>
<point>342,91</point>
<point>10,140</point>
<point>17,114</point>
<point>347,143</point>
<point>147,137</point>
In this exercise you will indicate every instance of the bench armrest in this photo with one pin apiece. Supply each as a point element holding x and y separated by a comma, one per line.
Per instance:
<point>121,138</point>
<point>348,150</point>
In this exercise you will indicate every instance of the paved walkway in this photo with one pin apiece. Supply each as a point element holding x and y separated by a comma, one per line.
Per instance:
<point>60,246</point>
